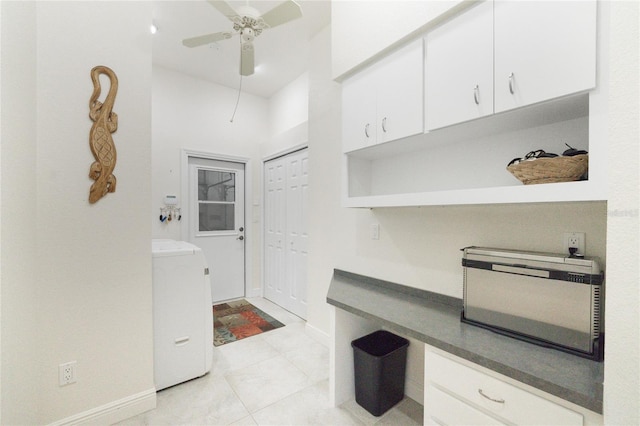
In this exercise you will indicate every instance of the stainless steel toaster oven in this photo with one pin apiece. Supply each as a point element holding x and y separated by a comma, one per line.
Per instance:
<point>543,298</point>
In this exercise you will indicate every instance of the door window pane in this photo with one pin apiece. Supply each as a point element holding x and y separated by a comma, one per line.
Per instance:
<point>216,217</point>
<point>214,185</point>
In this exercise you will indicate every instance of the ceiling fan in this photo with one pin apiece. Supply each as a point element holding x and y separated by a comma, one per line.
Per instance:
<point>248,24</point>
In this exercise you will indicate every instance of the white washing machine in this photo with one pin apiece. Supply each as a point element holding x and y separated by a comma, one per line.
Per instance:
<point>182,313</point>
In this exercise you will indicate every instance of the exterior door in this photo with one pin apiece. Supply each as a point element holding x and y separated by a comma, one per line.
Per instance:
<point>286,231</point>
<point>216,223</point>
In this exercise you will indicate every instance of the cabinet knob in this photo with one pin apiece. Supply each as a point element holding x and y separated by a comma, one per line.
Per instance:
<point>384,124</point>
<point>511,89</point>
<point>476,94</point>
<point>366,130</point>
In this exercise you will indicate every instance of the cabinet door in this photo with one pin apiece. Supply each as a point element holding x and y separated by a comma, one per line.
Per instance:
<point>400,102</point>
<point>459,68</point>
<point>543,50</point>
<point>359,111</point>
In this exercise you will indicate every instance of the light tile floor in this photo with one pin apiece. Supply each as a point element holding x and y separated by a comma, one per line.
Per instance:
<point>280,377</point>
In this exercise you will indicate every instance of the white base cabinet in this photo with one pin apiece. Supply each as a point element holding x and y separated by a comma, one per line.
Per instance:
<point>445,409</point>
<point>457,393</point>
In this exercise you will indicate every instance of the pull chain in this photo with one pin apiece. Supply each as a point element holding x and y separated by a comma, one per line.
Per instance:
<point>237,101</point>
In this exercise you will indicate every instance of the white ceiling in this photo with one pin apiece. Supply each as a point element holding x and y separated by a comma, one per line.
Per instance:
<point>281,53</point>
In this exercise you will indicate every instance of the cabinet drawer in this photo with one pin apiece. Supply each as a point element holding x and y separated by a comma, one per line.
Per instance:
<point>495,396</point>
<point>443,409</point>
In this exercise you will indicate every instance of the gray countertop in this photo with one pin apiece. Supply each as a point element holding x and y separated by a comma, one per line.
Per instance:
<point>435,320</point>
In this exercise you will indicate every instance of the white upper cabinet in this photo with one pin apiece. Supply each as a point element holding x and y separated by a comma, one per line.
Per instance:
<point>400,100</point>
<point>386,101</point>
<point>459,68</point>
<point>503,55</point>
<point>359,111</point>
<point>437,121</point>
<point>543,50</point>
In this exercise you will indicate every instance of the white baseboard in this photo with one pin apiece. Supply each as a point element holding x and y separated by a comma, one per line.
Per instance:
<point>254,292</point>
<point>414,391</point>
<point>317,334</point>
<point>115,411</point>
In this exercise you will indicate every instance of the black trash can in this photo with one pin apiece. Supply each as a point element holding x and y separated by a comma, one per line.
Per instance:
<point>379,361</point>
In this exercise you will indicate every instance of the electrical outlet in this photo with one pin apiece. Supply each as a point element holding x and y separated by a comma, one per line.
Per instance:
<point>67,373</point>
<point>574,240</point>
<point>375,231</point>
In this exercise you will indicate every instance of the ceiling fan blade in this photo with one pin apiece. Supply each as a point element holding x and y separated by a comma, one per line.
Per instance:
<point>283,13</point>
<point>206,39</point>
<point>224,8</point>
<point>246,59</point>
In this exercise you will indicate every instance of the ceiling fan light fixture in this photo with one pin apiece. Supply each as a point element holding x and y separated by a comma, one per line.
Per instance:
<point>247,35</point>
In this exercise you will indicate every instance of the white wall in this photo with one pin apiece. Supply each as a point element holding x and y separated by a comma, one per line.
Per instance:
<point>76,277</point>
<point>331,227</point>
<point>288,118</point>
<point>0,214</point>
<point>622,327</point>
<point>189,113</point>
<point>19,320</point>
<point>289,107</point>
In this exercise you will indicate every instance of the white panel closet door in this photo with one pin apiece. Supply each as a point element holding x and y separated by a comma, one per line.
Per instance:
<point>297,232</point>
<point>286,231</point>
<point>274,235</point>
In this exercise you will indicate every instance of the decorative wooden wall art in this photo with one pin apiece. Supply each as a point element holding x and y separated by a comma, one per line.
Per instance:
<point>105,122</point>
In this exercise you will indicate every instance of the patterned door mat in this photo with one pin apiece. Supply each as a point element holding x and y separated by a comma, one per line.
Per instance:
<point>239,319</point>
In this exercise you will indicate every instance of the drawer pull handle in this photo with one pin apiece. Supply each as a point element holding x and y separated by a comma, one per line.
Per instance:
<point>181,341</point>
<point>476,94</point>
<point>484,395</point>
<point>366,130</point>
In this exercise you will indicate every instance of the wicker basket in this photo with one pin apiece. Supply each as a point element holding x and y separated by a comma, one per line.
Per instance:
<point>548,170</point>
